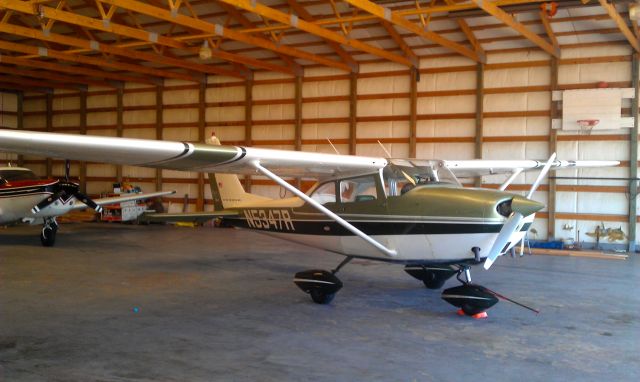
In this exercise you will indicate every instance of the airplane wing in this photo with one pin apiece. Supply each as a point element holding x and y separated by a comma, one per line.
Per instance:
<point>185,156</point>
<point>479,167</point>
<point>122,198</point>
<point>197,217</point>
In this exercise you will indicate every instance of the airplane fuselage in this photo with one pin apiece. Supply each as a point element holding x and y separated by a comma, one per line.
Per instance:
<point>430,224</point>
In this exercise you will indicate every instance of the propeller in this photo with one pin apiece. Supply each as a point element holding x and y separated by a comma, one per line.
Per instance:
<point>513,222</point>
<point>64,189</point>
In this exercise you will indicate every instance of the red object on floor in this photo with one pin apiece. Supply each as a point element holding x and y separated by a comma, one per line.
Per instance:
<point>477,316</point>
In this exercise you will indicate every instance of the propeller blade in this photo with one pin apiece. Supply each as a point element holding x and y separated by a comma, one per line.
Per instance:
<point>542,174</point>
<point>48,201</point>
<point>87,200</point>
<point>510,226</point>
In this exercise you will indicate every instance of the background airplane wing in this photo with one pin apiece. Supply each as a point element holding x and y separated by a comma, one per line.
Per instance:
<point>183,155</point>
<point>123,198</point>
<point>479,167</point>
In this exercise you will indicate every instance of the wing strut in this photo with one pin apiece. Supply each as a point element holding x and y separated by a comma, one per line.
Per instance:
<point>513,176</point>
<point>325,210</point>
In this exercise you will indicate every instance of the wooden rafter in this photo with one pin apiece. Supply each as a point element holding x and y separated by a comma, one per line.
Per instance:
<point>544,17</point>
<point>33,51</point>
<point>242,19</point>
<point>219,30</point>
<point>399,40</point>
<point>86,45</point>
<point>314,29</point>
<point>503,16</point>
<point>142,36</point>
<point>75,70</point>
<point>302,12</point>
<point>42,74</point>
<point>396,19</point>
<point>39,83</point>
<point>39,89</point>
<point>621,23</point>
<point>468,32</point>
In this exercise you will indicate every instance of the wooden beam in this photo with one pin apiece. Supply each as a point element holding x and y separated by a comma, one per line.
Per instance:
<point>503,16</point>
<point>553,148</point>
<point>479,138</point>
<point>20,88</point>
<point>344,55</point>
<point>43,52</point>
<point>413,111</point>
<point>39,83</point>
<point>88,46</point>
<point>621,23</point>
<point>219,30</point>
<point>395,18</point>
<point>248,123</point>
<point>399,40</point>
<point>143,37</point>
<point>45,75</point>
<point>202,109</point>
<point>314,29</point>
<point>49,128</point>
<point>353,112</point>
<point>159,130</point>
<point>119,125</point>
<point>20,118</point>
<point>544,17</point>
<point>83,130</point>
<point>298,114</point>
<point>633,156</point>
<point>77,70</point>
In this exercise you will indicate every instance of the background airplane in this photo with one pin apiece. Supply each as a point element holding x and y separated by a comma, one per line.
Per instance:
<point>24,197</point>
<point>405,211</point>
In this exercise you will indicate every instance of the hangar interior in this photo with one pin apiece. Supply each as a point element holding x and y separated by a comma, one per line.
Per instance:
<point>443,79</point>
<point>435,79</point>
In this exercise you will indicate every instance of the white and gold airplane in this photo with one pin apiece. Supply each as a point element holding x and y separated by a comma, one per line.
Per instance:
<point>404,211</point>
<point>26,198</point>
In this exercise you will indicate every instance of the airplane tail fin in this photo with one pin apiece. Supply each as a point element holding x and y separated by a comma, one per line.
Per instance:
<point>226,189</point>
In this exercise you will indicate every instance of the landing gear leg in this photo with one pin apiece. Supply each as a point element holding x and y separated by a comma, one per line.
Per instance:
<point>321,285</point>
<point>48,233</point>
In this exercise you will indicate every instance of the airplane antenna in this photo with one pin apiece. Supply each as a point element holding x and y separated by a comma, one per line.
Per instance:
<point>334,148</point>
<point>384,149</point>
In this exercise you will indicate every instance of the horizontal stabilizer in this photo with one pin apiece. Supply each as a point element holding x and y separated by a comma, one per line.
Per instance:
<point>196,217</point>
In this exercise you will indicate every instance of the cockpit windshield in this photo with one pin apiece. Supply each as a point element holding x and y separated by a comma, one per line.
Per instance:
<point>11,175</point>
<point>401,175</point>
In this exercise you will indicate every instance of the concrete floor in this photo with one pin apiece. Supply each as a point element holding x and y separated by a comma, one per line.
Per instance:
<point>158,303</point>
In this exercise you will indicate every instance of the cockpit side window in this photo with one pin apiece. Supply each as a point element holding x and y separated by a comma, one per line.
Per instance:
<point>359,189</point>
<point>325,193</point>
<point>13,175</point>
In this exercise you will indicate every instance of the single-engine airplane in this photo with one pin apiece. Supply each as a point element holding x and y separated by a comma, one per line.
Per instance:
<point>24,197</point>
<point>405,211</point>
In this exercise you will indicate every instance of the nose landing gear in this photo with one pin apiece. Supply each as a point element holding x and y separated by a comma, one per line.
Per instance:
<point>48,233</point>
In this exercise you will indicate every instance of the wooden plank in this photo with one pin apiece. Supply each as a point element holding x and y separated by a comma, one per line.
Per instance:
<point>316,30</point>
<point>503,16</point>
<point>202,109</point>
<point>479,136</point>
<point>248,124</point>
<point>633,156</point>
<point>353,113</point>
<point>20,121</point>
<point>119,125</point>
<point>13,79</point>
<point>219,30</point>
<point>83,131</point>
<point>49,128</point>
<point>397,19</point>
<point>399,40</point>
<point>553,148</point>
<point>159,126</point>
<point>579,253</point>
<point>413,112</point>
<point>621,23</point>
<point>40,74</point>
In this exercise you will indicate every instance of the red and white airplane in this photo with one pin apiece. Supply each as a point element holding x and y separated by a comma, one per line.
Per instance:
<point>26,198</point>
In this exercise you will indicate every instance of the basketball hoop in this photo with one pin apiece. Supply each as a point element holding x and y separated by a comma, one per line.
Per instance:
<point>587,124</point>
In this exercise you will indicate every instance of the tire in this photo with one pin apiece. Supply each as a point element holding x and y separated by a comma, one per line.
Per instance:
<point>48,236</point>
<point>320,297</point>
<point>470,310</point>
